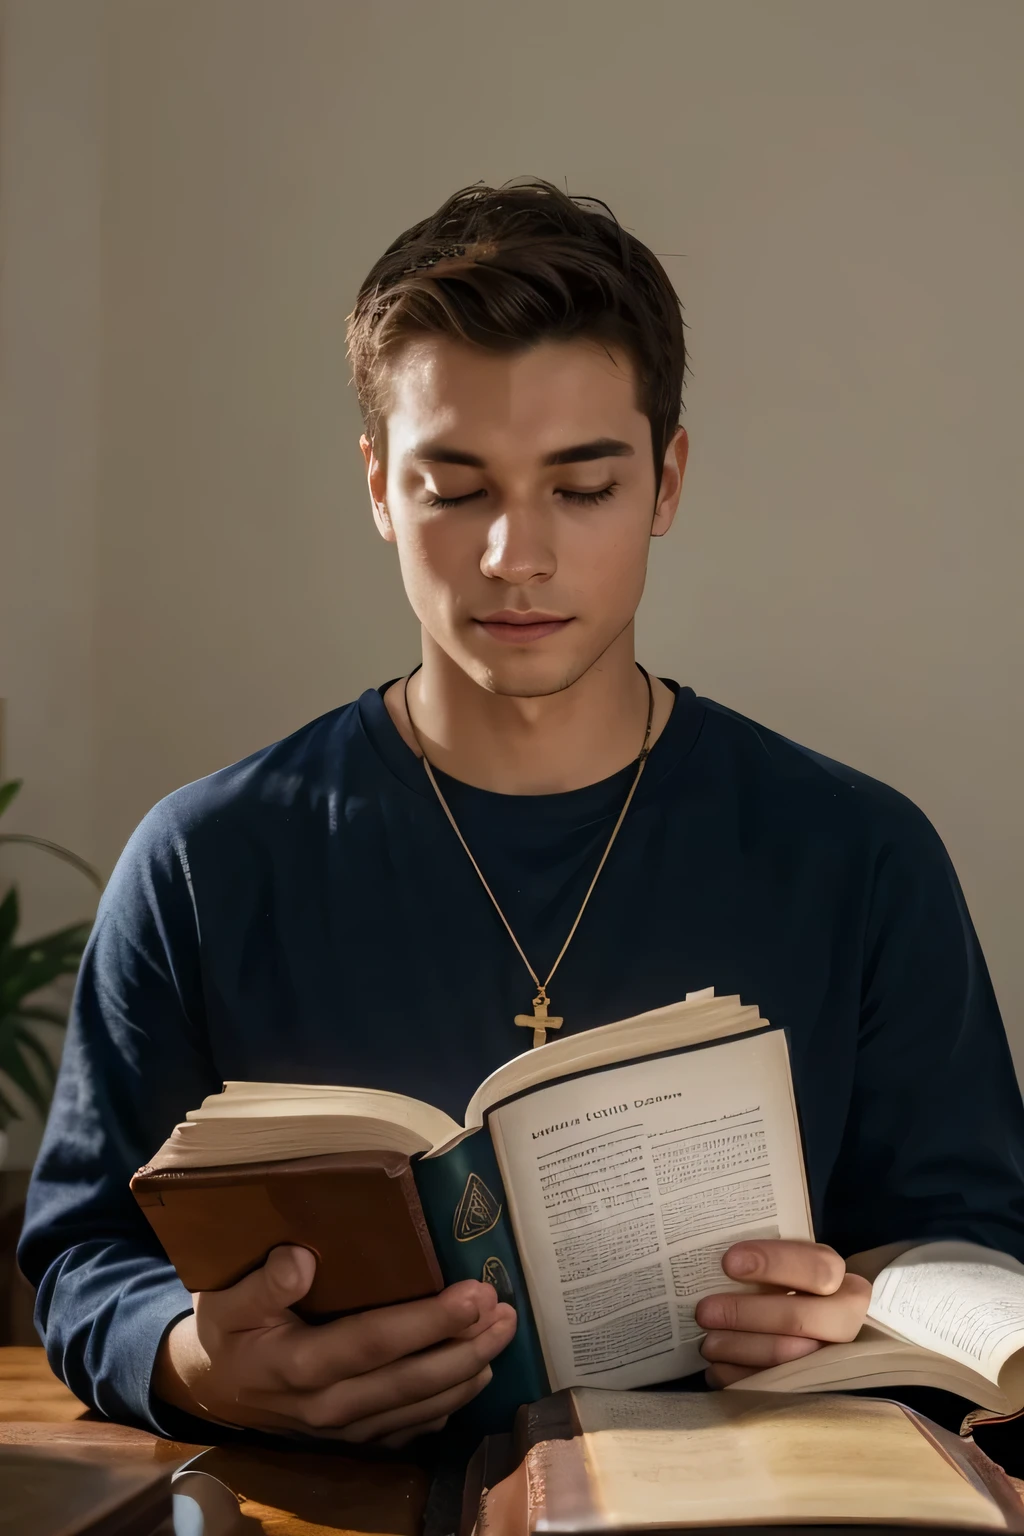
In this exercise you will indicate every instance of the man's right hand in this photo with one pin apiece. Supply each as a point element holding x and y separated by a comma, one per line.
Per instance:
<point>244,1359</point>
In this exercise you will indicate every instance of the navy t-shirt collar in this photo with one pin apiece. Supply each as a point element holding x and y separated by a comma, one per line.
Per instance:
<point>672,746</point>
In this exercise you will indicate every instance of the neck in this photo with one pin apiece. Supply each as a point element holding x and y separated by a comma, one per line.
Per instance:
<point>535,746</point>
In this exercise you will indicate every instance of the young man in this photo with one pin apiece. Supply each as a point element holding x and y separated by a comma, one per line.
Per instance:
<point>311,914</point>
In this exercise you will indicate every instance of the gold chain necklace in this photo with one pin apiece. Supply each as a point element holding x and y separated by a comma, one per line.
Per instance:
<point>540,1021</point>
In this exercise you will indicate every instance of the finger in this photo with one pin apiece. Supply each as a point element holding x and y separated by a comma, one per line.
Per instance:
<point>263,1298</point>
<point>415,1416</point>
<point>793,1265</point>
<point>404,1423</point>
<point>757,1350</point>
<point>484,1321</point>
<point>396,1442</point>
<point>719,1376</point>
<point>405,1383</point>
<point>352,1346</point>
<point>834,1319</point>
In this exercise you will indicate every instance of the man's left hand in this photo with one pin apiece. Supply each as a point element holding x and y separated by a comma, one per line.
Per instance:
<point>810,1298</point>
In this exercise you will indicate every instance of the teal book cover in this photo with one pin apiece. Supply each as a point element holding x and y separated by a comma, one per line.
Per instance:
<point>466,1212</point>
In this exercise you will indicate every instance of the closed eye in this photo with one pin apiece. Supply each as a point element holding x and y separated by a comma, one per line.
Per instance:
<point>589,498</point>
<point>577,498</point>
<point>451,501</point>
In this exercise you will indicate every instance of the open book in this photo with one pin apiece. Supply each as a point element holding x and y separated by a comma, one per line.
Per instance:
<point>945,1314</point>
<point>596,1183</point>
<point>588,1461</point>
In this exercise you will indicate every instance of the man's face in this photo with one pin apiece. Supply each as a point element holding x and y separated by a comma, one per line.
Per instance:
<point>520,491</point>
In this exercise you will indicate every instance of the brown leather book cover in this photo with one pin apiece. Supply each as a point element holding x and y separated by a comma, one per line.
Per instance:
<point>541,1478</point>
<point>358,1212</point>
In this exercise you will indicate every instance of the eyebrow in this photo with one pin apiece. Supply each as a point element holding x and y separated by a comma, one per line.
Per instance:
<point>579,453</point>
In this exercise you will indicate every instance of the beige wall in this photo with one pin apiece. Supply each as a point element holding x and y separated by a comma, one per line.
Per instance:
<point>841,187</point>
<point>50,168</point>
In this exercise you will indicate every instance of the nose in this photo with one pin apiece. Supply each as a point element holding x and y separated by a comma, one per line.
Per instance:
<point>519,548</point>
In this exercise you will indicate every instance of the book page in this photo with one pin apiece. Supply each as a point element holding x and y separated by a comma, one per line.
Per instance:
<point>701,1017</point>
<point>265,1122</point>
<point>626,1186</point>
<point>876,1360</point>
<point>667,1459</point>
<point>958,1299</point>
<point>274,1100</point>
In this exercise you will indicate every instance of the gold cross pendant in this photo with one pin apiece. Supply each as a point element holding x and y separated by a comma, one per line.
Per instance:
<point>541,1021</point>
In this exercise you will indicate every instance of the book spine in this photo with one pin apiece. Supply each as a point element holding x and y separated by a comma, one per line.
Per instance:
<point>466,1211</point>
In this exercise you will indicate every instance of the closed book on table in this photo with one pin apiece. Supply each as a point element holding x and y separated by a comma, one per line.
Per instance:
<point>595,1461</point>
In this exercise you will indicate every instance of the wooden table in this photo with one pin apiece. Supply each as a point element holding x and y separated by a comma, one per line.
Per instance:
<point>30,1391</point>
<point>283,1493</point>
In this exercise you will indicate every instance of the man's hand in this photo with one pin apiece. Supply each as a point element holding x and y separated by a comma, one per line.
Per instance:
<point>809,1298</point>
<point>244,1359</point>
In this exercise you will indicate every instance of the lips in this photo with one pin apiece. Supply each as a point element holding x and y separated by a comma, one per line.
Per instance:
<point>514,628</point>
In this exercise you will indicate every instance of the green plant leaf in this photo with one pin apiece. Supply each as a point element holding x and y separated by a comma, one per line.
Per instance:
<point>59,851</point>
<point>14,1064</point>
<point>22,960</point>
<point>19,1047</point>
<point>25,968</point>
<point>34,1047</point>
<point>7,1112</point>
<point>8,792</point>
<point>8,917</point>
<point>37,1014</point>
<point>74,933</point>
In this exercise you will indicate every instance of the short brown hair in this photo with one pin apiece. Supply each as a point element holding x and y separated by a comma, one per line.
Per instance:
<point>507,267</point>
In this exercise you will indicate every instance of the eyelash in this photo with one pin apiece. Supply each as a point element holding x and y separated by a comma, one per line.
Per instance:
<point>578,498</point>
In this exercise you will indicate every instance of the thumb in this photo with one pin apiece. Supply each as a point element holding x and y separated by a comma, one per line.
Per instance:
<point>262,1299</point>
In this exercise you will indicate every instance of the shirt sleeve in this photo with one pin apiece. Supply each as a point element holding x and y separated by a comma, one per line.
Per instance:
<point>934,1141</point>
<point>136,1059</point>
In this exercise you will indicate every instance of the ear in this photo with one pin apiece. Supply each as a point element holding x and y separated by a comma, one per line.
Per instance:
<point>376,480</point>
<point>671,483</point>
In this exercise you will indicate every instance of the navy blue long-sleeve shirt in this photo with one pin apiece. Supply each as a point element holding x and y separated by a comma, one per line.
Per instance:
<point>309,916</point>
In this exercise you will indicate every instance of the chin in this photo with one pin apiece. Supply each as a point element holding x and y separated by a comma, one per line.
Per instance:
<point>526,677</point>
<point>528,688</point>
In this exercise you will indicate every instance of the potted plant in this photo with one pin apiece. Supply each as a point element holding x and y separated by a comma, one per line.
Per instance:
<point>25,971</point>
